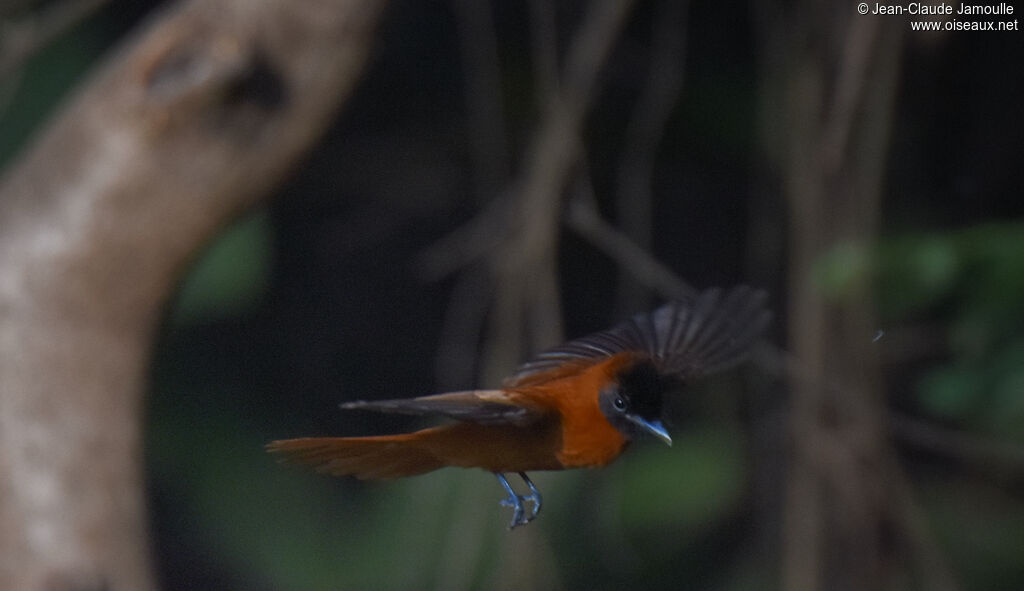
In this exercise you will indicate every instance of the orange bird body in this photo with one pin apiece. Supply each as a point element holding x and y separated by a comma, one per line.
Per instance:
<point>578,405</point>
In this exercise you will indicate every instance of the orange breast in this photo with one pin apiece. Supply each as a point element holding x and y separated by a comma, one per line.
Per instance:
<point>587,438</point>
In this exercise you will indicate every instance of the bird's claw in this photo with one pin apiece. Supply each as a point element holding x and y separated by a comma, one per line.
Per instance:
<point>519,516</point>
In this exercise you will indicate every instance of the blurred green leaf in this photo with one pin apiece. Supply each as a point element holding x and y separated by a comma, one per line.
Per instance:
<point>231,275</point>
<point>1006,410</point>
<point>996,279</point>
<point>693,483</point>
<point>951,392</point>
<point>915,271</point>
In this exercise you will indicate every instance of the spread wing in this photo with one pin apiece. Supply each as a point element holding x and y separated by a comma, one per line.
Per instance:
<point>487,407</point>
<point>688,338</point>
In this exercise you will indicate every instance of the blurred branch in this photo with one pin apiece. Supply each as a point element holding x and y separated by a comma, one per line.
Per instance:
<point>998,456</point>
<point>20,40</point>
<point>185,126</point>
<point>544,47</point>
<point>992,456</point>
<point>464,320</point>
<point>486,127</point>
<point>843,476</point>
<point>645,129</point>
<point>530,220</point>
<point>583,217</point>
<point>524,266</point>
<point>851,83</point>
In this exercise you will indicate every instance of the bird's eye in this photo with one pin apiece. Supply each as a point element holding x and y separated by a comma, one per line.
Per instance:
<point>620,404</point>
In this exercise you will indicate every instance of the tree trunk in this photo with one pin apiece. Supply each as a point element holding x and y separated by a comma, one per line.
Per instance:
<point>185,126</point>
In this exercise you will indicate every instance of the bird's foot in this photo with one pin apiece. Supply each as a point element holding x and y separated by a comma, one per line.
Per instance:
<point>516,501</point>
<point>533,497</point>
<point>518,513</point>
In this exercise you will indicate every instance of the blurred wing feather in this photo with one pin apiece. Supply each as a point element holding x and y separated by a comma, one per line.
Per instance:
<point>478,406</point>
<point>689,338</point>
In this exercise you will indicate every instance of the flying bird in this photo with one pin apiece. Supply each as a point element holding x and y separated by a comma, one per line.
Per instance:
<point>577,405</point>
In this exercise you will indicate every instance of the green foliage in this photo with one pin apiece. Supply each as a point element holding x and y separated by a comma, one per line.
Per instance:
<point>916,271</point>
<point>981,266</point>
<point>690,485</point>
<point>231,275</point>
<point>975,278</point>
<point>951,391</point>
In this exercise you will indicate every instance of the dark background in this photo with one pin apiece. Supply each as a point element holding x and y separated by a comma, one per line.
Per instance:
<point>326,294</point>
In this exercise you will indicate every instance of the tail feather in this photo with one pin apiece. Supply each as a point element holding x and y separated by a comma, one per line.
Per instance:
<point>363,457</point>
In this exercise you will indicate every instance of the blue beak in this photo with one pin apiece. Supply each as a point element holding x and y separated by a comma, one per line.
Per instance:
<point>653,427</point>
